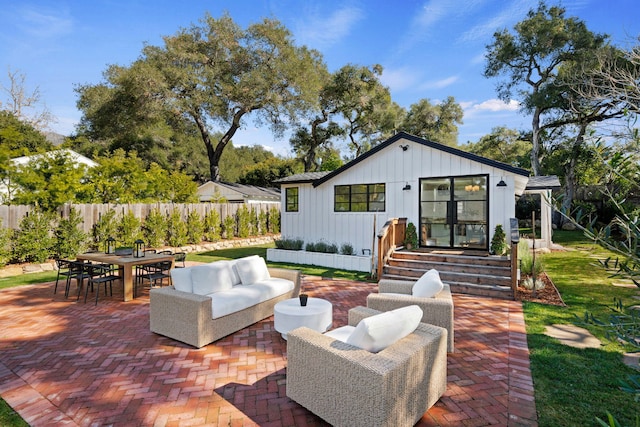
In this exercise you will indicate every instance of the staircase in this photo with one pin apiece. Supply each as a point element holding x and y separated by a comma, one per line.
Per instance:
<point>481,275</point>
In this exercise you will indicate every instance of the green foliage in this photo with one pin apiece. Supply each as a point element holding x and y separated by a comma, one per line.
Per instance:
<point>176,229</point>
<point>5,245</point>
<point>212,231</point>
<point>34,240</point>
<point>51,180</point>
<point>324,247</point>
<point>289,244</point>
<point>347,249</point>
<point>129,229</point>
<point>498,241</point>
<point>245,221</point>
<point>310,247</point>
<point>70,239</point>
<point>504,145</point>
<point>170,187</point>
<point>262,223</point>
<point>274,220</point>
<point>530,265</point>
<point>154,229</point>
<point>229,226</point>
<point>435,122</point>
<point>20,138</point>
<point>119,178</point>
<point>195,228</point>
<point>105,227</point>
<point>411,236</point>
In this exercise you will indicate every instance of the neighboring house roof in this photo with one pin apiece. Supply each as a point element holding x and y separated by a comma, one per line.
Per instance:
<point>317,178</point>
<point>543,183</point>
<point>301,178</point>
<point>238,192</point>
<point>76,157</point>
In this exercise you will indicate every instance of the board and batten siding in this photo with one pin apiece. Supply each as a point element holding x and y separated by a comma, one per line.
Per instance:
<point>316,221</point>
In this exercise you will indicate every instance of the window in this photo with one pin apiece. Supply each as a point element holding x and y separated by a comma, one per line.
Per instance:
<point>359,198</point>
<point>291,196</point>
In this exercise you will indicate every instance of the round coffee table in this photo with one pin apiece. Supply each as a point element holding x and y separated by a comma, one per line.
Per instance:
<point>289,315</point>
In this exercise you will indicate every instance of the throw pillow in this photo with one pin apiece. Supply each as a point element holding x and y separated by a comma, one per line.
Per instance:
<point>252,270</point>
<point>181,279</point>
<point>428,285</point>
<point>377,332</point>
<point>211,278</point>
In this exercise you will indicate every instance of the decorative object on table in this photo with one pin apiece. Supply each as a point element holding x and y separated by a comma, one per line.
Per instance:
<point>138,249</point>
<point>303,299</point>
<point>110,245</point>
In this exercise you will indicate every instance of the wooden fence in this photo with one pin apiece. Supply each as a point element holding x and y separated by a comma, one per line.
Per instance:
<point>11,215</point>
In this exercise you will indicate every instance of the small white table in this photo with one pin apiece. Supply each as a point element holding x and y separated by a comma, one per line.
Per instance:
<point>289,315</point>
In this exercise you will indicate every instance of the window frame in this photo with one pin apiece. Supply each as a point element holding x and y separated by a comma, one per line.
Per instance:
<point>289,207</point>
<point>344,196</point>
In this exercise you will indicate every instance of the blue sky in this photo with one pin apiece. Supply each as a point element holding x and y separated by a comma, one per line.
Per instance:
<point>428,49</point>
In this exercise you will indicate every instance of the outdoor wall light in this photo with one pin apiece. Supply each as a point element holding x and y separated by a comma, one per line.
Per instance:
<point>404,147</point>
<point>406,187</point>
<point>501,183</point>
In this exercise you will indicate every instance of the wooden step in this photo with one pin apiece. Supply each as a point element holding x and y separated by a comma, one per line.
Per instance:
<point>450,276</point>
<point>498,261</point>
<point>456,267</point>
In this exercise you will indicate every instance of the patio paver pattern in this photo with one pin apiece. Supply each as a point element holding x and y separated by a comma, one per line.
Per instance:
<point>64,363</point>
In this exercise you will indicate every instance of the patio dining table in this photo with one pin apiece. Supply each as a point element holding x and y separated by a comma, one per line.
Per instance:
<point>125,264</point>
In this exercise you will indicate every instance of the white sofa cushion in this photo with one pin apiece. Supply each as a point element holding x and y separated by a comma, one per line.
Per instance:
<point>377,332</point>
<point>341,334</point>
<point>210,278</point>
<point>243,296</point>
<point>181,279</point>
<point>252,270</point>
<point>429,285</point>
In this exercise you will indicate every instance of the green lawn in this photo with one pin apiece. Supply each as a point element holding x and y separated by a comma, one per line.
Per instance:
<point>572,386</point>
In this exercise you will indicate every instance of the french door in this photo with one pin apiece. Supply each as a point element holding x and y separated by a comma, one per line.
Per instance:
<point>454,212</point>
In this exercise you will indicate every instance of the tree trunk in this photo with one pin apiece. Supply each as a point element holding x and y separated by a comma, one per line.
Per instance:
<point>571,181</point>
<point>535,142</point>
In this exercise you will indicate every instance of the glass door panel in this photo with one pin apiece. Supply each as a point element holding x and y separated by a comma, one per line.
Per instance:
<point>454,212</point>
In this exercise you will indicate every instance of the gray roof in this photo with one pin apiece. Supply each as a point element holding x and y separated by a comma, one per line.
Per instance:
<point>252,190</point>
<point>543,182</point>
<point>302,177</point>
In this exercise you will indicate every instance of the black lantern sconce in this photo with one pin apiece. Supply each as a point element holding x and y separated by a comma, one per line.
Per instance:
<point>138,249</point>
<point>501,183</point>
<point>110,246</point>
<point>406,187</point>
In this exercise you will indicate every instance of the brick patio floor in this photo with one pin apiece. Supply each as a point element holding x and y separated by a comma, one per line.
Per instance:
<point>64,363</point>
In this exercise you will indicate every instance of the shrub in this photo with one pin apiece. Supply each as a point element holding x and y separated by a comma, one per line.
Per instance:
<point>34,240</point>
<point>5,245</point>
<point>274,220</point>
<point>529,284</point>
<point>411,236</point>
<point>176,229</point>
<point>154,229</point>
<point>212,232</point>
<point>528,267</point>
<point>104,228</point>
<point>229,226</point>
<point>346,249</point>
<point>331,248</point>
<point>70,240</point>
<point>262,223</point>
<point>289,244</point>
<point>195,228</point>
<point>498,241</point>
<point>244,222</point>
<point>310,247</point>
<point>129,229</point>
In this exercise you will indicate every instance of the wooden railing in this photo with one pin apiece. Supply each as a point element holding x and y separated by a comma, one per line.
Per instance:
<point>390,237</point>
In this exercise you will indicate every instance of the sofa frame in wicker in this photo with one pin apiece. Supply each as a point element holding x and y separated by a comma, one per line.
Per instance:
<point>436,311</point>
<point>187,317</point>
<point>348,386</point>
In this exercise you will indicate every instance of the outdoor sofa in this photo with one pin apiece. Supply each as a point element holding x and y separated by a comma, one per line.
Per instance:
<point>208,302</point>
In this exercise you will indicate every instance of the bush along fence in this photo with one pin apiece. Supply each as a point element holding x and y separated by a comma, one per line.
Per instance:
<point>75,228</point>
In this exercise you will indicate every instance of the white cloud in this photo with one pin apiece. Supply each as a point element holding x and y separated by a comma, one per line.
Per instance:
<point>399,79</point>
<point>496,105</point>
<point>439,84</point>
<point>508,16</point>
<point>43,23</point>
<point>321,32</point>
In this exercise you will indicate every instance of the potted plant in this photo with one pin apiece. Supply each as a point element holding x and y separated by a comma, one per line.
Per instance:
<point>498,241</point>
<point>411,237</point>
